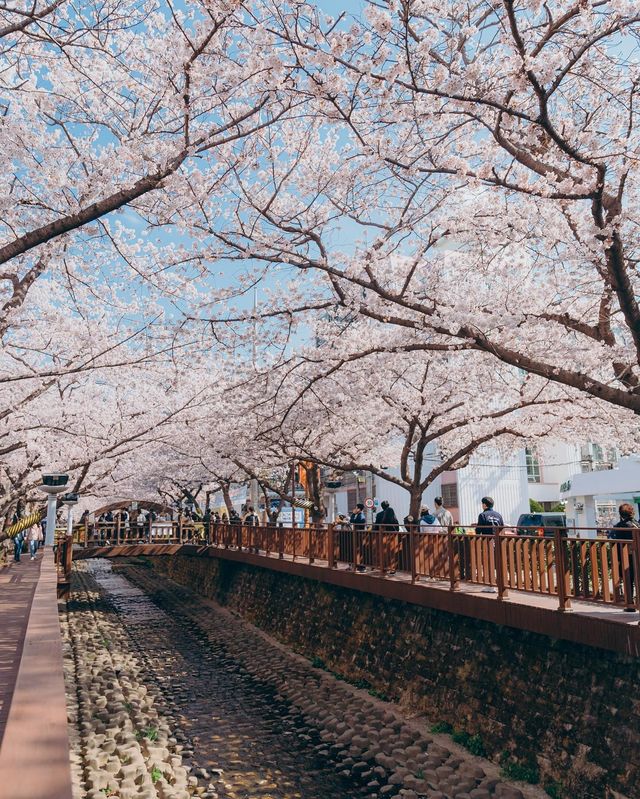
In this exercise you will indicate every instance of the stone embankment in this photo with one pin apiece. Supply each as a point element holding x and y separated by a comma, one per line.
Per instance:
<point>270,723</point>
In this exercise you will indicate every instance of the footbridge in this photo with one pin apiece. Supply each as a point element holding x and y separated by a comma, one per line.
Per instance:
<point>567,587</point>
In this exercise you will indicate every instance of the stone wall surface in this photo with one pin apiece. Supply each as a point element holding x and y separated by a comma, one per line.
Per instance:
<point>570,711</point>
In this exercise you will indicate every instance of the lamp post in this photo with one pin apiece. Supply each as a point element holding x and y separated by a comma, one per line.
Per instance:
<point>52,485</point>
<point>70,500</point>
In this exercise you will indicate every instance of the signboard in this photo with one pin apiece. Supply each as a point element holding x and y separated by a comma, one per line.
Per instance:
<point>286,518</point>
<point>369,503</point>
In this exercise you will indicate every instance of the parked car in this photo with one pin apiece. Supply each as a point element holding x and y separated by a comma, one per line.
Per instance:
<point>542,524</point>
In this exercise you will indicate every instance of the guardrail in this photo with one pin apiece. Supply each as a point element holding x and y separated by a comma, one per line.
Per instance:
<point>550,562</point>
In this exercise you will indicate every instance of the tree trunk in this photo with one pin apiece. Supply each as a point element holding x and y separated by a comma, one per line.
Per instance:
<point>415,503</point>
<point>227,498</point>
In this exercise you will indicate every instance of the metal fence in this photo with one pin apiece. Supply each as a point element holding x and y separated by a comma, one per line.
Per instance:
<point>548,562</point>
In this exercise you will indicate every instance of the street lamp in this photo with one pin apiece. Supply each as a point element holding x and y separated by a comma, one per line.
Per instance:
<point>53,484</point>
<point>70,500</point>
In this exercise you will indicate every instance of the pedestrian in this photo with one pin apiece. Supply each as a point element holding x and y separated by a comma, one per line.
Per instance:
<point>623,531</point>
<point>250,516</point>
<point>387,522</point>
<point>251,520</point>
<point>489,521</point>
<point>18,540</point>
<point>428,520</point>
<point>33,534</point>
<point>358,521</point>
<point>345,542</point>
<point>444,516</point>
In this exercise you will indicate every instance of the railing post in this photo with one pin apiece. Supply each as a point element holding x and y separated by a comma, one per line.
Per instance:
<point>564,603</point>
<point>636,564</point>
<point>86,532</point>
<point>500,581</point>
<point>454,581</point>
<point>150,534</point>
<point>381,550</point>
<point>68,557</point>
<point>331,555</point>
<point>280,541</point>
<point>180,529</point>
<point>412,552</point>
<point>118,523</point>
<point>310,533</point>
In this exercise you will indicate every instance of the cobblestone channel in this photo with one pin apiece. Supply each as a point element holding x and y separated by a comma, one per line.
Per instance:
<point>173,697</point>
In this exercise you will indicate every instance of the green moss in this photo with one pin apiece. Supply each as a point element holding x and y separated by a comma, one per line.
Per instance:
<point>442,726</point>
<point>523,772</point>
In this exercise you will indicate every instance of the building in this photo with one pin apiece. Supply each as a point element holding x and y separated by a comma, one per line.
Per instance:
<point>593,497</point>
<point>488,473</point>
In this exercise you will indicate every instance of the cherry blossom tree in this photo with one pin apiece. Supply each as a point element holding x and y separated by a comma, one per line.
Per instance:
<point>469,178</point>
<point>116,117</point>
<point>422,413</point>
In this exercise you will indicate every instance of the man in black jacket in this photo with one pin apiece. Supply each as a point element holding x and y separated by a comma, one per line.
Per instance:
<point>387,523</point>
<point>623,531</point>
<point>489,521</point>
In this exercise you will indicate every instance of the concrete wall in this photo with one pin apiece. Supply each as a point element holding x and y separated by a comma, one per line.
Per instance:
<point>568,709</point>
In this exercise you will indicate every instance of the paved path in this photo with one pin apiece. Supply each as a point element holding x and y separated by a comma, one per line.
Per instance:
<point>17,587</point>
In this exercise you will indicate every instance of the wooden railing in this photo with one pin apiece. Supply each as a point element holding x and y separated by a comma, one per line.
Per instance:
<point>551,564</point>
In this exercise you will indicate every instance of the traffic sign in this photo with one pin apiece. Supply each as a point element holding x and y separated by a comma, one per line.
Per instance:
<point>368,503</point>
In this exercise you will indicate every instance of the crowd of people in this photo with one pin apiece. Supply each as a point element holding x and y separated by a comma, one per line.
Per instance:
<point>488,520</point>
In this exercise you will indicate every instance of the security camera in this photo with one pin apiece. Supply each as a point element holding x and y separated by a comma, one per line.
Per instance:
<point>70,499</point>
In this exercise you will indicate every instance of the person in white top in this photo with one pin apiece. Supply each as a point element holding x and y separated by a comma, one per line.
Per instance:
<point>34,535</point>
<point>445,519</point>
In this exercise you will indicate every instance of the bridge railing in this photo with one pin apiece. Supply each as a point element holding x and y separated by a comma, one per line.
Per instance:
<point>583,565</point>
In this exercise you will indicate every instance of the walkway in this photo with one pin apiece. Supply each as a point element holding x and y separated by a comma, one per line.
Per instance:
<point>34,752</point>
<point>17,586</point>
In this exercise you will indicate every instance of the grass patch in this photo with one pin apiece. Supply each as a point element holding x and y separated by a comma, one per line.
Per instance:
<point>554,789</point>
<point>151,733</point>
<point>379,694</point>
<point>473,743</point>
<point>156,774</point>
<point>442,727</point>
<point>521,772</point>
<point>318,663</point>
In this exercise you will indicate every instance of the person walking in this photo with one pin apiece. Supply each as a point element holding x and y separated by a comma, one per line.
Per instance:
<point>623,531</point>
<point>33,536</point>
<point>18,540</point>
<point>445,519</point>
<point>358,521</point>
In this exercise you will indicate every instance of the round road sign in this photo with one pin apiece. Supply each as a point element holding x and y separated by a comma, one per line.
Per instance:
<point>368,503</point>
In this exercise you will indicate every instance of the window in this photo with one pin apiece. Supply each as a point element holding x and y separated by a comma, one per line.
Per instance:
<point>450,495</point>
<point>533,466</point>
